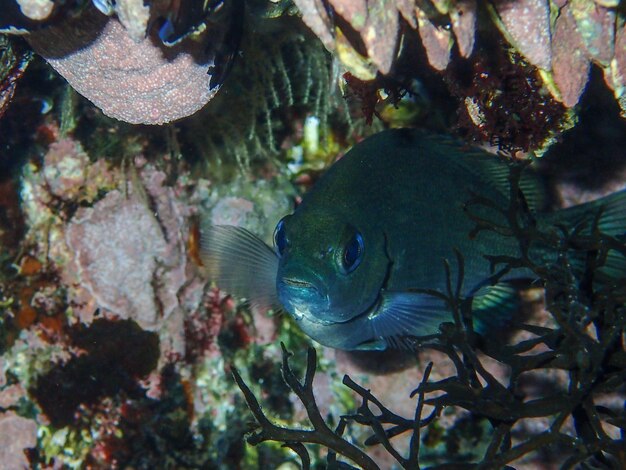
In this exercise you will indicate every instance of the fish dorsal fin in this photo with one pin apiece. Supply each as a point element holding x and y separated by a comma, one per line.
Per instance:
<point>240,263</point>
<point>494,306</point>
<point>495,171</point>
<point>403,314</point>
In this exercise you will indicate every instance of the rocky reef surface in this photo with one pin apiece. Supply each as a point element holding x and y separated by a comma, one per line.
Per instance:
<point>123,124</point>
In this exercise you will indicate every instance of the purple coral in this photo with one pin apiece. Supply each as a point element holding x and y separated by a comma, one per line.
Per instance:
<point>129,252</point>
<point>136,82</point>
<point>16,435</point>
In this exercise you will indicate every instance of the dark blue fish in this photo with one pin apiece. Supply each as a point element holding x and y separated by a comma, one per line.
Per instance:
<point>351,264</point>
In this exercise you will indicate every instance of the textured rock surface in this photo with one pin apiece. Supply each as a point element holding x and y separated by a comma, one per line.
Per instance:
<point>36,9</point>
<point>65,169</point>
<point>134,16</point>
<point>16,434</point>
<point>129,259</point>
<point>527,23</point>
<point>136,82</point>
<point>436,41</point>
<point>463,19</point>
<point>570,65</point>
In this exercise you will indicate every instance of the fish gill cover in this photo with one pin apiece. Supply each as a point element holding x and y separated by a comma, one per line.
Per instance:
<point>117,351</point>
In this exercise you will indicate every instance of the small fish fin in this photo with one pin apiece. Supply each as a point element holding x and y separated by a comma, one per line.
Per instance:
<point>404,314</point>
<point>612,218</point>
<point>495,171</point>
<point>534,190</point>
<point>614,267</point>
<point>494,306</point>
<point>240,263</point>
<point>612,222</point>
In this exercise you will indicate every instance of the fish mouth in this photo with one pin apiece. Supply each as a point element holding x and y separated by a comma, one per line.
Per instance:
<point>298,283</point>
<point>353,334</point>
<point>303,298</point>
<point>306,315</point>
<point>307,301</point>
<point>314,316</point>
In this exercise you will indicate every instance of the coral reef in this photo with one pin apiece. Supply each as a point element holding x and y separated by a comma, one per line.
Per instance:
<point>283,79</point>
<point>118,61</point>
<point>110,263</point>
<point>137,82</point>
<point>114,355</point>
<point>116,352</point>
<point>134,16</point>
<point>120,242</point>
<point>502,101</point>
<point>36,9</point>
<point>561,39</point>
<point>16,435</point>
<point>250,204</point>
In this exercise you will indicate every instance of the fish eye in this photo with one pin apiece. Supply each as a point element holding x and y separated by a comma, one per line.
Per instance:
<point>280,239</point>
<point>353,253</point>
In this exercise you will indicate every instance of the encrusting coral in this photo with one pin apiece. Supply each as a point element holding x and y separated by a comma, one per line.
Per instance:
<point>137,82</point>
<point>16,433</point>
<point>147,64</point>
<point>562,39</point>
<point>113,237</point>
<point>118,224</point>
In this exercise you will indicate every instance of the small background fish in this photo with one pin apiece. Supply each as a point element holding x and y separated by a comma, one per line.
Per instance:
<point>351,264</point>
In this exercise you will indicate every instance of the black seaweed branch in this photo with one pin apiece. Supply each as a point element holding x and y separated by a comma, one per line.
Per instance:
<point>294,438</point>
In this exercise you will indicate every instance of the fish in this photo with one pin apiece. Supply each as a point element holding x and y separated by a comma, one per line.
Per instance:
<point>357,262</point>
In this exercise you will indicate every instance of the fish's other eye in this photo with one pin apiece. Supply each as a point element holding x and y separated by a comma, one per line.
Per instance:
<point>353,253</point>
<point>280,239</point>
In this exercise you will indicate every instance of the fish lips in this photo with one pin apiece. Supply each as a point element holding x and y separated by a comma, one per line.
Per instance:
<point>303,298</point>
<point>355,333</point>
<point>310,302</point>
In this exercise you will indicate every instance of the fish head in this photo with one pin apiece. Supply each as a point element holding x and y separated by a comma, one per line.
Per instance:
<point>330,270</point>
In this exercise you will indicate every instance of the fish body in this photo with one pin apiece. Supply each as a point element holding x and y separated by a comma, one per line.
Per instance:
<point>353,262</point>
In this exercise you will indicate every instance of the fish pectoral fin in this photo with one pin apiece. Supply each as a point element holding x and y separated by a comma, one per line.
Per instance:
<point>240,263</point>
<point>408,314</point>
<point>494,306</point>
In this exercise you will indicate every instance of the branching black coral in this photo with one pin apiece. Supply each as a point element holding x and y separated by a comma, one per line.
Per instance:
<point>294,438</point>
<point>365,416</point>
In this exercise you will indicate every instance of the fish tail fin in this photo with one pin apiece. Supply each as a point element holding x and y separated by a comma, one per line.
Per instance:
<point>240,263</point>
<point>608,215</point>
<point>611,210</point>
<point>493,307</point>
